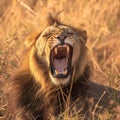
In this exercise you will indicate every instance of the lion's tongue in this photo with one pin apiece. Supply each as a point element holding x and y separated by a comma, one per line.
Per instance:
<point>60,65</point>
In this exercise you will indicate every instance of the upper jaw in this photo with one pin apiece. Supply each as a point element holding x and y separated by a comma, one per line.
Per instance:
<point>60,60</point>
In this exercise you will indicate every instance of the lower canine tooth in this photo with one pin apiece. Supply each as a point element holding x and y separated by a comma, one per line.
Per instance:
<point>65,71</point>
<point>56,72</point>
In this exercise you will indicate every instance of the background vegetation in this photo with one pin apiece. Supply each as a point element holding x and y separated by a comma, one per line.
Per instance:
<point>101,19</point>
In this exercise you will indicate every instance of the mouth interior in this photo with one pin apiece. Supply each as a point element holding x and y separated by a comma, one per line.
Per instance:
<point>60,60</point>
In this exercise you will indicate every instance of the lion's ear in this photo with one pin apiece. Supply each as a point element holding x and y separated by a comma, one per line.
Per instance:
<point>83,36</point>
<point>49,20</point>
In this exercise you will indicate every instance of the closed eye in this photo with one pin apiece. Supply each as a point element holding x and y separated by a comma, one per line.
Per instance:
<point>47,35</point>
<point>70,33</point>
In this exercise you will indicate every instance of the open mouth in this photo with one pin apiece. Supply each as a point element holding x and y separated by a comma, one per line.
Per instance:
<point>60,60</point>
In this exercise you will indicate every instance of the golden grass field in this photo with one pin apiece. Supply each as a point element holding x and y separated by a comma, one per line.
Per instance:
<point>101,20</point>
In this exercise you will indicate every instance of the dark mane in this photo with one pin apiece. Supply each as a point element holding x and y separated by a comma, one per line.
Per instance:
<point>24,90</point>
<point>32,92</point>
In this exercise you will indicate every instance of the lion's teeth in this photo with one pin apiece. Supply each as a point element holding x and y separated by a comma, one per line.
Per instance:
<point>68,49</point>
<point>56,72</point>
<point>55,50</point>
<point>64,45</point>
<point>59,46</point>
<point>65,71</point>
<point>61,72</point>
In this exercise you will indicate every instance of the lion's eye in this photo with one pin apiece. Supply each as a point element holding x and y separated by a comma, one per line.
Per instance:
<point>70,33</point>
<point>47,35</point>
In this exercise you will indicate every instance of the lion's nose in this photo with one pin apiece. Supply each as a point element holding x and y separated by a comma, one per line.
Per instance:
<point>62,38</point>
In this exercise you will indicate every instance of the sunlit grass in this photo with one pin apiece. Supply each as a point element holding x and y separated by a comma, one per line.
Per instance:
<point>100,19</point>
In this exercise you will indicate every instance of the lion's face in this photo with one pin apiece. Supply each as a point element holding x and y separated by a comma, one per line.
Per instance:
<point>60,47</point>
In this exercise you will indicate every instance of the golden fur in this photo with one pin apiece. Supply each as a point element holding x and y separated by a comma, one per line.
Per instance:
<point>34,91</point>
<point>36,94</point>
<point>43,44</point>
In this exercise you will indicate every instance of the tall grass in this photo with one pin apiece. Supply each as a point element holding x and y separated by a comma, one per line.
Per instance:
<point>99,17</point>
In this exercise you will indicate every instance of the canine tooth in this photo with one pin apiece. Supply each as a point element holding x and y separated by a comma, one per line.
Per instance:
<point>56,72</point>
<point>55,50</point>
<point>67,49</point>
<point>65,71</point>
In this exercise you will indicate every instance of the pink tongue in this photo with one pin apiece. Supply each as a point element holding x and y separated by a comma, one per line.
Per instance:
<point>60,64</point>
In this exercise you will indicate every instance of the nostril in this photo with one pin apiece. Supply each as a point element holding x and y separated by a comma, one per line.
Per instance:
<point>58,37</point>
<point>65,37</point>
<point>62,38</point>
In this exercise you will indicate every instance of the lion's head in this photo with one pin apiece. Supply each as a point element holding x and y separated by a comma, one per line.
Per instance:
<point>62,49</point>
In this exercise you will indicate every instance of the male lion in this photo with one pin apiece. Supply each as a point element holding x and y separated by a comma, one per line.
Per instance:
<point>54,77</point>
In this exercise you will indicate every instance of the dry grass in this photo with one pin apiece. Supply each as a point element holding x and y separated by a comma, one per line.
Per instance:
<point>100,18</point>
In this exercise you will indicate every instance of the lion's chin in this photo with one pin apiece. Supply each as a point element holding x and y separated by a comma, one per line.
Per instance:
<point>61,81</point>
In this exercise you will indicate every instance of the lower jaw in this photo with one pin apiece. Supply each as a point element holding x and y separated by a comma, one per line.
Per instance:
<point>69,72</point>
<point>61,75</point>
<point>63,80</point>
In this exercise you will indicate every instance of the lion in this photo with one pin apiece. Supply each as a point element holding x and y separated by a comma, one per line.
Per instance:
<point>54,76</point>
